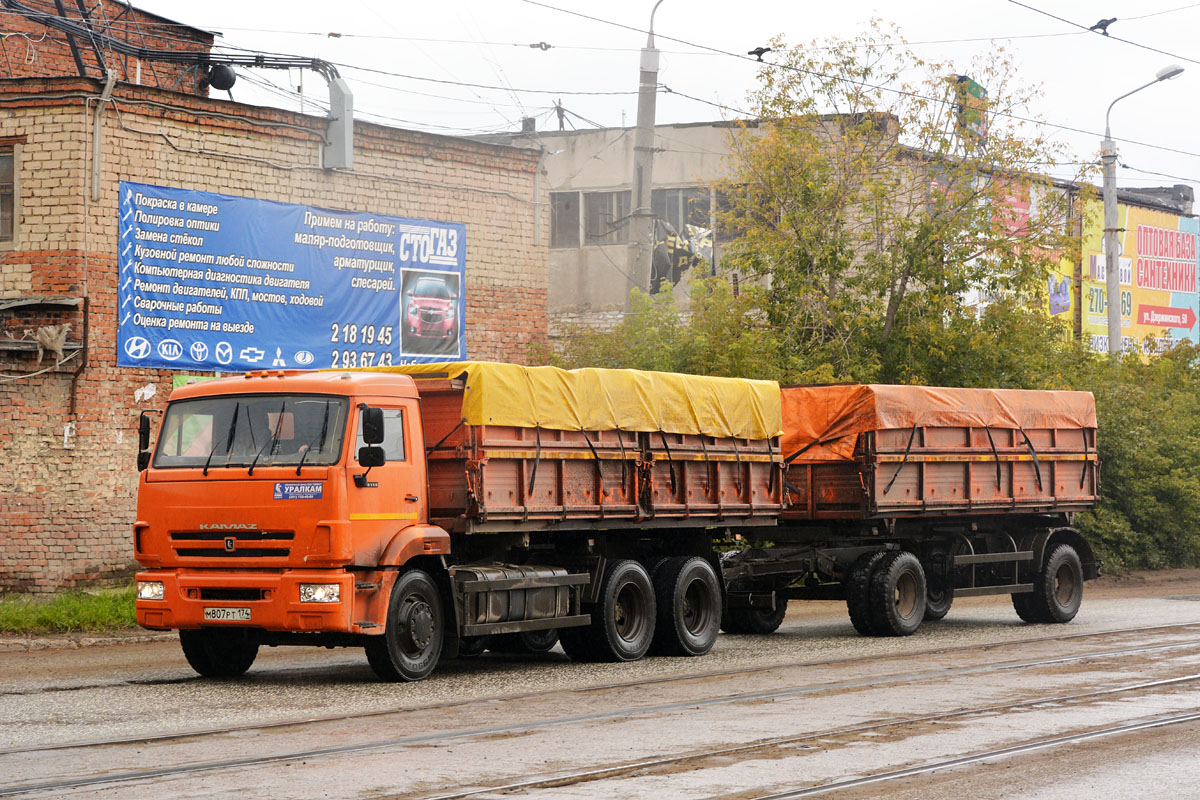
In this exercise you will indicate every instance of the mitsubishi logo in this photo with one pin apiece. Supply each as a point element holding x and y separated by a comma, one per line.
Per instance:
<point>230,544</point>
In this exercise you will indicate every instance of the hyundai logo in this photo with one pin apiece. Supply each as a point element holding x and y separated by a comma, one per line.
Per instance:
<point>304,358</point>
<point>138,347</point>
<point>170,349</point>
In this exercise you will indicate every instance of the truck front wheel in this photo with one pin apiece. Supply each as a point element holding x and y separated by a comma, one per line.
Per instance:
<point>218,653</point>
<point>411,644</point>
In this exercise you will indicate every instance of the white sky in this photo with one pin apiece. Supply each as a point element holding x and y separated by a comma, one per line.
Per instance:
<point>486,42</point>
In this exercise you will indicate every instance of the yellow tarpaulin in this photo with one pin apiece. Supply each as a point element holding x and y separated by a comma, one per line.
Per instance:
<point>608,399</point>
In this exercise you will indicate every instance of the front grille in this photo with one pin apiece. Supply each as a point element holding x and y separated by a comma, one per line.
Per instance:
<point>211,593</point>
<point>241,536</point>
<point>198,544</point>
<point>241,552</point>
<point>432,316</point>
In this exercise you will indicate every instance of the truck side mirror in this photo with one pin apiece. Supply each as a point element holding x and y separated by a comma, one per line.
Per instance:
<point>143,460</point>
<point>144,432</point>
<point>369,456</point>
<point>372,425</point>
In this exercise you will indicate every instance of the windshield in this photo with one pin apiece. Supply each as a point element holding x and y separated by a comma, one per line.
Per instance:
<point>432,287</point>
<point>245,430</point>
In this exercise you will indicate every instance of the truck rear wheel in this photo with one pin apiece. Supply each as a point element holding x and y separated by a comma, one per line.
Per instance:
<point>1057,589</point>
<point>411,644</point>
<point>218,653</point>
<point>622,622</point>
<point>688,596</point>
<point>897,594</point>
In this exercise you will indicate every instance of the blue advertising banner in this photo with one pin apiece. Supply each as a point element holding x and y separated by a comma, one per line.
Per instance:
<point>217,282</point>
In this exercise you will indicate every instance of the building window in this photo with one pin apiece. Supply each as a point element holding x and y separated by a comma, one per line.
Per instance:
<point>564,219</point>
<point>606,220</point>
<point>8,195</point>
<point>681,207</point>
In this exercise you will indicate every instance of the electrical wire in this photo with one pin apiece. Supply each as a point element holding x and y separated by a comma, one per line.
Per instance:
<point>1106,35</point>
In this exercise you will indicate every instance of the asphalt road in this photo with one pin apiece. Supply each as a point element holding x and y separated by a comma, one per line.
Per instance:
<point>814,704</point>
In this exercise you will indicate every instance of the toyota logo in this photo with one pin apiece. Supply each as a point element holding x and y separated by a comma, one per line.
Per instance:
<point>138,347</point>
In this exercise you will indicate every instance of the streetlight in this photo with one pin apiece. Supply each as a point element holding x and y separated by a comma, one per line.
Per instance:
<point>1108,158</point>
<point>641,224</point>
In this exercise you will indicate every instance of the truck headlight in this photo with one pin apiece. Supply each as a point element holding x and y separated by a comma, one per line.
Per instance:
<point>150,590</point>
<point>320,593</point>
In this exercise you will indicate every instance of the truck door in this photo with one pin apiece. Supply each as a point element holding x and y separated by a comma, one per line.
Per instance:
<point>391,497</point>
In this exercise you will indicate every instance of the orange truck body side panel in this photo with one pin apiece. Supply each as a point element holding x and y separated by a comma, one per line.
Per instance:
<point>865,451</point>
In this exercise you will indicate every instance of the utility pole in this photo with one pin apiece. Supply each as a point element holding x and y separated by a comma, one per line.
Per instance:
<point>641,223</point>
<point>1112,269</point>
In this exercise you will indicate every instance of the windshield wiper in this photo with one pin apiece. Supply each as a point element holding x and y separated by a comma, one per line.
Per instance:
<point>274,438</point>
<point>319,440</point>
<point>228,440</point>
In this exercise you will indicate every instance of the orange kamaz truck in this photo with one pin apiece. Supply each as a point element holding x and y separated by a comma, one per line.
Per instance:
<point>432,511</point>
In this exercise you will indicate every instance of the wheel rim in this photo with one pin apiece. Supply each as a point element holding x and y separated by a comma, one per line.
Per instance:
<point>697,612</point>
<point>629,613</point>
<point>1064,585</point>
<point>906,595</point>
<point>417,625</point>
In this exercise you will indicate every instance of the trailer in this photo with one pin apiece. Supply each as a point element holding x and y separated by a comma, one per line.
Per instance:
<point>900,498</point>
<point>431,511</point>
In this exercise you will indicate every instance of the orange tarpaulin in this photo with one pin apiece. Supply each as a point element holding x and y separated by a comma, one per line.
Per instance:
<point>824,421</point>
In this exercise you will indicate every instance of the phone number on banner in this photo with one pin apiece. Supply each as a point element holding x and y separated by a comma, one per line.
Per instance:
<point>349,359</point>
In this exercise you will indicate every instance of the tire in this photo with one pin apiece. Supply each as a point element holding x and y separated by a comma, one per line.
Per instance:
<point>218,653</point>
<point>473,646</point>
<point>939,589</point>
<point>1057,589</point>
<point>534,642</point>
<point>688,596</point>
<point>897,595</point>
<point>411,644</point>
<point>755,621</point>
<point>858,585</point>
<point>623,623</point>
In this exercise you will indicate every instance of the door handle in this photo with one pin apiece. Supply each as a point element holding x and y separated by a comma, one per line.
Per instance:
<point>411,498</point>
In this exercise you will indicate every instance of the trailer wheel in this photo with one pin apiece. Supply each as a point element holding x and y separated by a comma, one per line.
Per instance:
<point>897,594</point>
<point>411,644</point>
<point>524,642</point>
<point>939,589</point>
<point>858,586</point>
<point>688,597</point>
<point>1057,589</point>
<point>218,653</point>
<point>623,623</point>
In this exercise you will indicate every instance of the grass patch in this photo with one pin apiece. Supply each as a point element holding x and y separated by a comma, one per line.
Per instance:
<point>97,611</point>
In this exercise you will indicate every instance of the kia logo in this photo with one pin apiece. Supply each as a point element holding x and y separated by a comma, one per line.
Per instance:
<point>137,347</point>
<point>304,358</point>
<point>170,349</point>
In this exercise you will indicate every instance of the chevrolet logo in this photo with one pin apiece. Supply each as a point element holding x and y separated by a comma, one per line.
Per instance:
<point>230,544</point>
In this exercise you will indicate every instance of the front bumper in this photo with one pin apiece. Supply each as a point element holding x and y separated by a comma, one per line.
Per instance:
<point>272,597</point>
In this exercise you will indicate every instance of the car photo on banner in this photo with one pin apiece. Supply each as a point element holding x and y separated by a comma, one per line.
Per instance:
<point>430,313</point>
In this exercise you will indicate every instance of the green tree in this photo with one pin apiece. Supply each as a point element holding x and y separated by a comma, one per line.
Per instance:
<point>872,216</point>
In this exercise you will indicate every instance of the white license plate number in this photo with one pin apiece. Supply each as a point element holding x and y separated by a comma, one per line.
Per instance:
<point>227,614</point>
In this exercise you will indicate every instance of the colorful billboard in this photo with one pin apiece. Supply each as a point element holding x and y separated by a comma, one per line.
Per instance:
<point>217,282</point>
<point>1158,262</point>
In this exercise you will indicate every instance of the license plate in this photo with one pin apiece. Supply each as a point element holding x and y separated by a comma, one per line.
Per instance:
<point>227,614</point>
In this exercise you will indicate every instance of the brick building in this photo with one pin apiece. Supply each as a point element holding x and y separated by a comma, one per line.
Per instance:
<point>68,440</point>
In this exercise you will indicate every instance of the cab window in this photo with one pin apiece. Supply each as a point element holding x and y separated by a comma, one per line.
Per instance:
<point>393,434</point>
